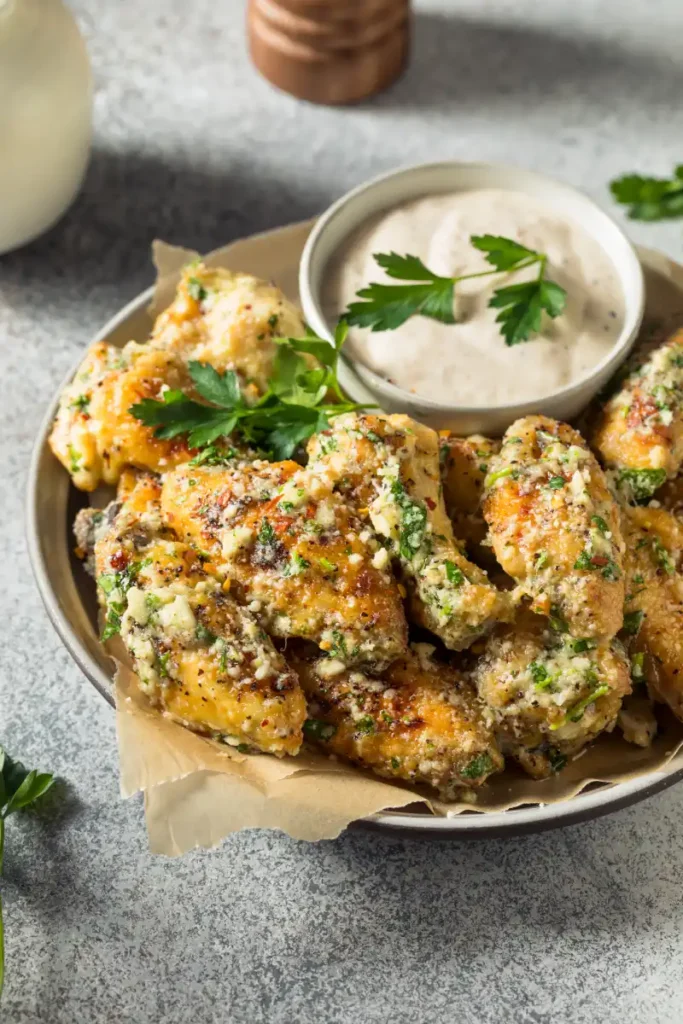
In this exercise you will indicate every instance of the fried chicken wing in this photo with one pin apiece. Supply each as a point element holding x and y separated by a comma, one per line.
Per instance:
<point>639,434</point>
<point>464,466</point>
<point>419,721</point>
<point>95,435</point>
<point>388,467</point>
<point>295,553</point>
<point>555,527</point>
<point>229,320</point>
<point>548,693</point>
<point>199,656</point>
<point>653,612</point>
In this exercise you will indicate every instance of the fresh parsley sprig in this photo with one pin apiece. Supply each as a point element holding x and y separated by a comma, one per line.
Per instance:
<point>294,407</point>
<point>650,198</point>
<point>384,307</point>
<point>19,788</point>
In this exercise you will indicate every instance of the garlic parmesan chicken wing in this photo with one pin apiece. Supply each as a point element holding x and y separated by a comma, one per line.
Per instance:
<point>94,434</point>
<point>555,527</point>
<point>295,553</point>
<point>464,466</point>
<point>199,657</point>
<point>229,320</point>
<point>548,693</point>
<point>388,467</point>
<point>653,613</point>
<point>640,432</point>
<point>419,721</point>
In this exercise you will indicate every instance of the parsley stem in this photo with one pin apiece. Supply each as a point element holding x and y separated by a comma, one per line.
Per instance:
<point>538,258</point>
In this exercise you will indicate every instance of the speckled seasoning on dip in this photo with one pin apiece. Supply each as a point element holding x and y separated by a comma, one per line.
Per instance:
<point>469,363</point>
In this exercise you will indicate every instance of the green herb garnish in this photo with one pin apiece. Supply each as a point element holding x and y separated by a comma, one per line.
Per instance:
<point>541,677</point>
<point>115,586</point>
<point>556,759</point>
<point>650,198</point>
<point>478,766</point>
<point>384,307</point>
<point>19,789</point>
<point>454,575</point>
<point>413,521</point>
<point>556,482</point>
<point>632,622</point>
<point>365,725</point>
<point>315,728</point>
<point>640,484</point>
<point>292,409</point>
<point>196,289</point>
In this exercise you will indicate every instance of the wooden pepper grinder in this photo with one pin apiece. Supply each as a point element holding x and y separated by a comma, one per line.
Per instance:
<point>329,51</point>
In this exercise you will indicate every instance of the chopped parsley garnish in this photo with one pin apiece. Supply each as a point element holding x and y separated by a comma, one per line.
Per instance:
<point>582,645</point>
<point>115,586</point>
<point>81,403</point>
<point>384,307</point>
<point>204,635</point>
<point>212,455</point>
<point>576,712</point>
<point>557,621</point>
<point>74,459</point>
<point>478,766</point>
<point>396,763</point>
<point>632,622</point>
<point>542,560</point>
<point>365,725</point>
<point>293,408</point>
<point>556,759</point>
<point>556,482</point>
<point>196,289</point>
<point>454,575</point>
<point>662,557</point>
<point>540,675</point>
<point>327,565</point>
<point>413,521</point>
<point>638,667</point>
<point>266,534</point>
<point>640,484</point>
<point>600,525</point>
<point>296,565</point>
<point>608,568</point>
<point>492,478</point>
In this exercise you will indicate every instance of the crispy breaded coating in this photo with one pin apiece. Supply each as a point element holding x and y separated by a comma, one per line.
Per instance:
<point>653,612</point>
<point>548,693</point>
<point>199,657</point>
<point>419,721</point>
<point>388,467</point>
<point>464,466</point>
<point>295,552</point>
<point>637,720</point>
<point>555,526</point>
<point>229,320</point>
<point>639,434</point>
<point>95,435</point>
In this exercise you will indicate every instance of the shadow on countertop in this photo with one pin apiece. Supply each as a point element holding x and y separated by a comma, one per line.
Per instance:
<point>127,200</point>
<point>461,62</point>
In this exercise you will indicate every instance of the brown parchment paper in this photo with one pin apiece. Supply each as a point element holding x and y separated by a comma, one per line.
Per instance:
<point>197,791</point>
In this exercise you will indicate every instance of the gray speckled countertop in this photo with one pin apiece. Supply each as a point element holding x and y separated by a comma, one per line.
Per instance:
<point>578,926</point>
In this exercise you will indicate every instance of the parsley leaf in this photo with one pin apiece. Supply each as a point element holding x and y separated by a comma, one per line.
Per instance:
<point>284,418</point>
<point>387,306</point>
<point>650,198</point>
<point>639,484</point>
<point>478,766</point>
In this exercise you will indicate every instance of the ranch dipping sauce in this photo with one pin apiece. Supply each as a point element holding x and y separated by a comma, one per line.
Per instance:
<point>468,363</point>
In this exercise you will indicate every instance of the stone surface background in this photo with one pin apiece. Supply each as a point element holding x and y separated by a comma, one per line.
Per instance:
<point>577,926</point>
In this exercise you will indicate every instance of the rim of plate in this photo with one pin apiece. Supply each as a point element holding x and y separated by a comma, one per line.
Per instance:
<point>597,800</point>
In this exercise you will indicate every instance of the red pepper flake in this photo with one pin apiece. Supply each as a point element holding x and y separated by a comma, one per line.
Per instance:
<point>119,560</point>
<point>599,560</point>
<point>430,503</point>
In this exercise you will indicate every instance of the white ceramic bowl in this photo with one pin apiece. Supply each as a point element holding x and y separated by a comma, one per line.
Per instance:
<point>388,191</point>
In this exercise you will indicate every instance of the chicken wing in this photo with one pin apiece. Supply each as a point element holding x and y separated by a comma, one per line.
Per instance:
<point>199,656</point>
<point>419,721</point>
<point>555,527</point>
<point>548,693</point>
<point>464,466</point>
<point>388,467</point>
<point>228,320</point>
<point>295,553</point>
<point>639,434</point>
<point>653,613</point>
<point>95,435</point>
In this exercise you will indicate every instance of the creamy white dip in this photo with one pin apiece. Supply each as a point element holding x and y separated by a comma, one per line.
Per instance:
<point>469,363</point>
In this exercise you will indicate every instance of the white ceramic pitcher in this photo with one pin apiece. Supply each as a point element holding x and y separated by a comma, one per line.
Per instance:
<point>45,116</point>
